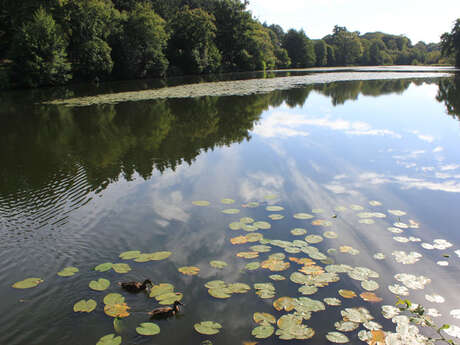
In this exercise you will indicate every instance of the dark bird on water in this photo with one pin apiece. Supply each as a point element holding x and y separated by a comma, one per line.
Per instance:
<point>165,312</point>
<point>135,286</point>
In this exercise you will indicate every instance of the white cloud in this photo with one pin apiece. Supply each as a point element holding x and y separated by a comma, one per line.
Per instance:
<point>438,149</point>
<point>449,167</point>
<point>284,124</point>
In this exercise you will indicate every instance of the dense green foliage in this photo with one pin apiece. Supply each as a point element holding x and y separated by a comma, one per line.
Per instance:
<point>450,42</point>
<point>39,52</point>
<point>113,39</point>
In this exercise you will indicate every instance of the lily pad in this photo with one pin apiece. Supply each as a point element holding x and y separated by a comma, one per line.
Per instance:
<point>148,328</point>
<point>263,318</point>
<point>275,216</point>
<point>169,298</point>
<point>129,255</point>
<point>231,211</point>
<point>277,277</point>
<point>263,331</point>
<point>201,203</point>
<point>114,298</point>
<point>247,255</point>
<point>220,292</point>
<point>262,225</point>
<point>274,208</point>
<point>156,256</point>
<point>227,201</point>
<point>337,337</point>
<point>298,231</point>
<point>99,285</point>
<point>207,327</point>
<point>84,306</point>
<point>246,220</point>
<point>189,270</point>
<point>235,226</point>
<point>370,297</point>
<point>284,303</point>
<point>303,216</point>
<point>160,289</point>
<point>332,301</point>
<point>103,267</point>
<point>218,264</point>
<point>68,271</point>
<point>109,339</point>
<point>347,293</point>
<point>117,310</point>
<point>27,283</point>
<point>121,268</point>
<point>252,266</point>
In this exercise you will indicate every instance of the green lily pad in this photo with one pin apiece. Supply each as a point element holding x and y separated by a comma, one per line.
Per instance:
<point>27,283</point>
<point>103,267</point>
<point>129,255</point>
<point>156,256</point>
<point>169,298</point>
<point>249,227</point>
<point>252,204</point>
<point>220,292</point>
<point>189,270</point>
<point>246,220</point>
<point>337,337</point>
<point>238,287</point>
<point>114,298</point>
<point>218,264</point>
<point>235,225</point>
<point>263,331</point>
<point>262,225</point>
<point>201,203</point>
<point>148,328</point>
<point>99,285</point>
<point>118,325</point>
<point>121,268</point>
<point>252,266</point>
<point>109,339</point>
<point>117,310</point>
<point>68,271</point>
<point>84,306</point>
<point>227,201</point>
<point>263,318</point>
<point>276,277</point>
<point>276,216</point>
<point>160,289</point>
<point>215,284</point>
<point>270,196</point>
<point>207,327</point>
<point>231,211</point>
<point>298,231</point>
<point>261,248</point>
<point>274,208</point>
<point>303,216</point>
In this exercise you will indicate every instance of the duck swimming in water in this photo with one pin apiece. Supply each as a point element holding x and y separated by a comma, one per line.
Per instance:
<point>165,312</point>
<point>135,286</point>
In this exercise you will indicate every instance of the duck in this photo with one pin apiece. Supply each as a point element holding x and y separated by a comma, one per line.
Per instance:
<point>135,286</point>
<point>165,312</point>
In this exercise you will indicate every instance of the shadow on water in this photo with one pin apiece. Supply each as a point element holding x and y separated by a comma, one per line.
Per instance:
<point>55,159</point>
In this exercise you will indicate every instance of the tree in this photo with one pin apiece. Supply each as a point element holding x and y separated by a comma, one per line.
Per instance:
<point>321,53</point>
<point>258,51</point>
<point>90,24</point>
<point>299,48</point>
<point>348,48</point>
<point>450,42</point>
<point>143,44</point>
<point>191,47</point>
<point>38,52</point>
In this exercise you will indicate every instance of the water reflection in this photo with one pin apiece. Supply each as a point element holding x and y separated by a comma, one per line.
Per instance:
<point>56,159</point>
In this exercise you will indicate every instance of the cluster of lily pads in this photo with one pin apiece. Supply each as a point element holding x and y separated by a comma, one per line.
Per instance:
<point>311,269</point>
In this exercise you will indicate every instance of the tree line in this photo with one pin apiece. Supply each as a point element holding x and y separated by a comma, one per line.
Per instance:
<point>50,42</point>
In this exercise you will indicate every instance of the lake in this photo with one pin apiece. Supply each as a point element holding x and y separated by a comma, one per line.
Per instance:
<point>320,186</point>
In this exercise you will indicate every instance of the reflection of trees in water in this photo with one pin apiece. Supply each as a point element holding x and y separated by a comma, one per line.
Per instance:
<point>449,94</point>
<point>39,143</point>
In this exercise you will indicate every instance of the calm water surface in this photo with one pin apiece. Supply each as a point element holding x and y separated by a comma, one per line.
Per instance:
<point>78,186</point>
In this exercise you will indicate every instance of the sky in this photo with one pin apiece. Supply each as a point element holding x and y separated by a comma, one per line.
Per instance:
<point>420,20</point>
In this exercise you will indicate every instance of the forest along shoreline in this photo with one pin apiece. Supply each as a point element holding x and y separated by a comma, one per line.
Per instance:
<point>254,86</point>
